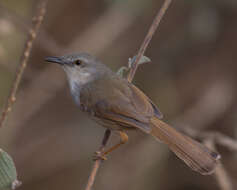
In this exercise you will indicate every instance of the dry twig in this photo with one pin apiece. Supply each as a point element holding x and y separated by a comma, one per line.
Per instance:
<point>98,161</point>
<point>103,26</point>
<point>148,38</point>
<point>211,109</point>
<point>131,74</point>
<point>220,174</point>
<point>211,139</point>
<point>218,138</point>
<point>45,41</point>
<point>24,59</point>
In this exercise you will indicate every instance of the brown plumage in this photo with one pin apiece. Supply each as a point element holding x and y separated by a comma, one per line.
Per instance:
<point>118,105</point>
<point>130,107</point>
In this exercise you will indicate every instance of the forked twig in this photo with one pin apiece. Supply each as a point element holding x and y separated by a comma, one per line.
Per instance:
<point>37,20</point>
<point>148,38</point>
<point>130,76</point>
<point>210,110</point>
<point>211,139</point>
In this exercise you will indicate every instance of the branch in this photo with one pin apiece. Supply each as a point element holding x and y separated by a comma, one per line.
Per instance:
<point>210,110</point>
<point>148,38</point>
<point>211,139</point>
<point>44,40</point>
<point>220,174</point>
<point>131,74</point>
<point>37,20</point>
<point>102,26</point>
<point>218,138</point>
<point>98,161</point>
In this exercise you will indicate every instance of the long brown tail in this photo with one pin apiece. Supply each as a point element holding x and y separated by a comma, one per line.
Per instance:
<point>194,154</point>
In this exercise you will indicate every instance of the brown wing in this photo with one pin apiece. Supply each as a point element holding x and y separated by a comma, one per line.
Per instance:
<point>127,106</point>
<point>140,97</point>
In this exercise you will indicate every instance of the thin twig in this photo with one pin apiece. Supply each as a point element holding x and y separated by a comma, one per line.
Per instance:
<point>44,40</point>
<point>148,38</point>
<point>37,20</point>
<point>211,139</point>
<point>210,110</point>
<point>218,138</point>
<point>85,41</point>
<point>220,174</point>
<point>97,162</point>
<point>226,141</point>
<point>130,76</point>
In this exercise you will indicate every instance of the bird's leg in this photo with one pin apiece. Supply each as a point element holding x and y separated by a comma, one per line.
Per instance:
<point>123,140</point>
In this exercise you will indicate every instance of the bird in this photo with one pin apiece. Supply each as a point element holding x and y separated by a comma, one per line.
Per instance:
<point>118,105</point>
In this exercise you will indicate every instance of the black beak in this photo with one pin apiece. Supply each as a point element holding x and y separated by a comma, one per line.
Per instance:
<point>55,60</point>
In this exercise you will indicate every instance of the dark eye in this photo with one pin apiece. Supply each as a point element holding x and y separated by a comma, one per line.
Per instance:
<point>78,62</point>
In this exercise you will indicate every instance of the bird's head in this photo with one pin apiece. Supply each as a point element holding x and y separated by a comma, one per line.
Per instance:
<point>80,68</point>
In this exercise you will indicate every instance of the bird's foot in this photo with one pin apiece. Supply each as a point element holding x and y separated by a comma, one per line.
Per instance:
<point>99,156</point>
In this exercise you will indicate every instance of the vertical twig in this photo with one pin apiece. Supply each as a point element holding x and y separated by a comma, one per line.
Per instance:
<point>148,38</point>
<point>223,178</point>
<point>131,74</point>
<point>220,174</point>
<point>98,161</point>
<point>37,20</point>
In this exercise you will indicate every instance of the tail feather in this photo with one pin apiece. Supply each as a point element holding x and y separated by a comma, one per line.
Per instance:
<point>195,155</point>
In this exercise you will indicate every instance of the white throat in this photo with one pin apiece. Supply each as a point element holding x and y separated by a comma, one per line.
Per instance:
<point>76,82</point>
<point>79,79</point>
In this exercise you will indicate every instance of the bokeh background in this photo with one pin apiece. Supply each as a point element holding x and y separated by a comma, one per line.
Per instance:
<point>192,79</point>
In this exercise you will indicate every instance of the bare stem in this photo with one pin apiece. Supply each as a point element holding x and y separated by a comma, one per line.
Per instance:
<point>130,76</point>
<point>97,162</point>
<point>37,20</point>
<point>220,174</point>
<point>148,38</point>
<point>218,138</point>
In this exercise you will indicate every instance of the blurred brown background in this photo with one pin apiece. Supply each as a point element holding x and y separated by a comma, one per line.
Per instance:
<point>192,78</point>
